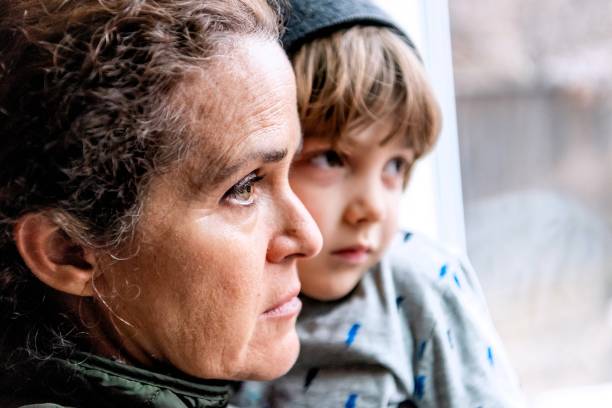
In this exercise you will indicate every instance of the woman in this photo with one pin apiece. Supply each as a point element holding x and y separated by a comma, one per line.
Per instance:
<point>148,233</point>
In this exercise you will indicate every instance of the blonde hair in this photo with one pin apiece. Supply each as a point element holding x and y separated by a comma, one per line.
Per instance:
<point>357,76</point>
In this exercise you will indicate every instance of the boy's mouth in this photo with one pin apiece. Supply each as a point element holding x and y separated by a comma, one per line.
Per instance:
<point>356,254</point>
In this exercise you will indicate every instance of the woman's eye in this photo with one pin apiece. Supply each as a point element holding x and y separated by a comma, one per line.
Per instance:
<point>328,158</point>
<point>396,167</point>
<point>243,192</point>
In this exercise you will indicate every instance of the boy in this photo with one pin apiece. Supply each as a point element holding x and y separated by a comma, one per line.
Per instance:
<point>409,328</point>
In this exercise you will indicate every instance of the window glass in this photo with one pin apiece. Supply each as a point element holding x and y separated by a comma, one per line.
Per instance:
<point>534,111</point>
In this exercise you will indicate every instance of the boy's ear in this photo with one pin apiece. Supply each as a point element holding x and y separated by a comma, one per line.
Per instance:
<point>53,257</point>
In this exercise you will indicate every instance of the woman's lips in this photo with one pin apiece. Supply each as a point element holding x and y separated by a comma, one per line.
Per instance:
<point>289,307</point>
<point>356,254</point>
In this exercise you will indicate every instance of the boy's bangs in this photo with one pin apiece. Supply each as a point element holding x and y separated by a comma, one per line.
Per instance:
<point>360,75</point>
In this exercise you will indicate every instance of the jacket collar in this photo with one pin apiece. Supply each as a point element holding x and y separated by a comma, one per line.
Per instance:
<point>94,366</point>
<point>85,378</point>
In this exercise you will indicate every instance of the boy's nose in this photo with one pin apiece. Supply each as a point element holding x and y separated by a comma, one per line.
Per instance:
<point>366,206</point>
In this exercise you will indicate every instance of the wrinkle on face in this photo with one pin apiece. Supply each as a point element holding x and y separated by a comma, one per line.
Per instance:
<point>217,160</point>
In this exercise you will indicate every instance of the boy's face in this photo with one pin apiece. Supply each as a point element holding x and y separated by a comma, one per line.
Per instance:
<point>352,190</point>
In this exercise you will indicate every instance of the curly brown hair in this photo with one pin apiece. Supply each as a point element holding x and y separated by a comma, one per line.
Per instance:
<point>87,119</point>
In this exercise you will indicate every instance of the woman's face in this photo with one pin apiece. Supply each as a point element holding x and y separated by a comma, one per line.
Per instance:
<point>212,286</point>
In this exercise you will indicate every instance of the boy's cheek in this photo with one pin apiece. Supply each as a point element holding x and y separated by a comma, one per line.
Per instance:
<point>391,224</point>
<point>312,176</point>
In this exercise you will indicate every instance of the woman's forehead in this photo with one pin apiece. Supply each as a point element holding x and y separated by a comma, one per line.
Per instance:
<point>227,109</point>
<point>244,89</point>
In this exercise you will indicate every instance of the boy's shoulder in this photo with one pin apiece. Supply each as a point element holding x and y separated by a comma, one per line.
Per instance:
<point>411,246</point>
<point>422,268</point>
<point>413,255</point>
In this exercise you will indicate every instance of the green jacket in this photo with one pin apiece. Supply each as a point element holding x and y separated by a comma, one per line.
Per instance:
<point>90,381</point>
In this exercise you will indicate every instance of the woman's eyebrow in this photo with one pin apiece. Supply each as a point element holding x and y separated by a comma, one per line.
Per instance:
<point>271,156</point>
<point>264,157</point>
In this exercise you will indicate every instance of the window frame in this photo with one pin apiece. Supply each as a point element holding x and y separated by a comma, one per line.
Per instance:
<point>433,203</point>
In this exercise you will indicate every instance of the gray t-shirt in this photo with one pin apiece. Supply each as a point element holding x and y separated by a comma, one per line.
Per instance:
<point>414,332</point>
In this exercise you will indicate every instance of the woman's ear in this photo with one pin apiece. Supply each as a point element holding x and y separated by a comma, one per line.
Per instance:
<point>53,257</point>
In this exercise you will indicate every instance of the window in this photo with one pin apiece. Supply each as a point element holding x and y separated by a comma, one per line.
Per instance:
<point>532,130</point>
<point>433,203</point>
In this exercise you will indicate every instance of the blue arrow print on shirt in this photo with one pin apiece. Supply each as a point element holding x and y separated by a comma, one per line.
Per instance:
<point>351,402</point>
<point>350,337</point>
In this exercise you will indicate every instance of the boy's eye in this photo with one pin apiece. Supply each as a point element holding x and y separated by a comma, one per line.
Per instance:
<point>243,192</point>
<point>396,167</point>
<point>328,158</point>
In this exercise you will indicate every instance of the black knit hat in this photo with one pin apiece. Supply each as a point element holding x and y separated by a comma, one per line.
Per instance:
<point>310,19</point>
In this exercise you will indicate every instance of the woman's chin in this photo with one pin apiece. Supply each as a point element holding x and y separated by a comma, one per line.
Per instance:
<point>273,360</point>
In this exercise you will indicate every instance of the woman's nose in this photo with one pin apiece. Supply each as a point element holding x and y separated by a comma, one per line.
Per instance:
<point>300,236</point>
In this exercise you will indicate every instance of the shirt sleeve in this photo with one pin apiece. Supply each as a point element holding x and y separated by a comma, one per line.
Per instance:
<point>458,358</point>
